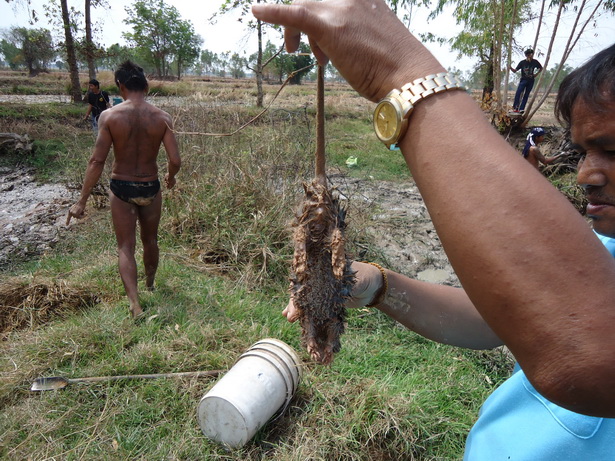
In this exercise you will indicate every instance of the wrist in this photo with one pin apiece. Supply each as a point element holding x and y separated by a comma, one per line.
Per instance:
<point>381,293</point>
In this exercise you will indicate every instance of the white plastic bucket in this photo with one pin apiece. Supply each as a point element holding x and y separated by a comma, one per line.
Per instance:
<point>262,382</point>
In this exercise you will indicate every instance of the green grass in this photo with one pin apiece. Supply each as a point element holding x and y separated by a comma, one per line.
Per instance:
<point>221,286</point>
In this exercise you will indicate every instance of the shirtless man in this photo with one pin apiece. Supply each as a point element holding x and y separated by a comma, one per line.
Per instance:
<point>135,129</point>
<point>532,153</point>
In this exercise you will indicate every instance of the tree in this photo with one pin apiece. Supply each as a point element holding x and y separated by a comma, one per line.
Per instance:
<point>300,64</point>
<point>259,64</point>
<point>69,45</point>
<point>186,46</point>
<point>237,65</point>
<point>115,54</point>
<point>208,62</point>
<point>491,28</point>
<point>584,13</point>
<point>11,53</point>
<point>90,50</point>
<point>35,48</point>
<point>162,36</point>
<point>75,87</point>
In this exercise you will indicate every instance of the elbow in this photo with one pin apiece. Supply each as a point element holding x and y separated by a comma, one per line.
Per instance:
<point>585,388</point>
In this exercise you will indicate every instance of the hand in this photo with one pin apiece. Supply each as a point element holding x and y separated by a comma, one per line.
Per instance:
<point>364,39</point>
<point>76,211</point>
<point>169,181</point>
<point>368,281</point>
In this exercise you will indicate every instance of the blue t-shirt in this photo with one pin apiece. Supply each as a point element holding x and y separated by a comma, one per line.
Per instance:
<point>516,423</point>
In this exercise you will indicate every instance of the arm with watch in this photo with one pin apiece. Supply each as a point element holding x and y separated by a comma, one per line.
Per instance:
<point>515,275</point>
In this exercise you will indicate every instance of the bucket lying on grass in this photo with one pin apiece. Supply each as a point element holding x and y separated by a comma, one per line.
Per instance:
<point>262,382</point>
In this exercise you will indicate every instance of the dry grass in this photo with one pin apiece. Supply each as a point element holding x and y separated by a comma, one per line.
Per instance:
<point>26,303</point>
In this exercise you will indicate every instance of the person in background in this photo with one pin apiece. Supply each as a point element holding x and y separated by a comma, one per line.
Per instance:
<point>135,129</point>
<point>532,153</point>
<point>98,101</point>
<point>529,68</point>
<point>523,283</point>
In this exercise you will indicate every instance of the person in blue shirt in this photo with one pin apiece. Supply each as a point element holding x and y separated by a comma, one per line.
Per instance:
<point>550,301</point>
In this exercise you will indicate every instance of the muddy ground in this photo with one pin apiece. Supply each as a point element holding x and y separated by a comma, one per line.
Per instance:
<point>32,215</point>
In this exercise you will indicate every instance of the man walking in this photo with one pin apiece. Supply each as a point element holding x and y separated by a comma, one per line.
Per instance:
<point>530,68</point>
<point>135,129</point>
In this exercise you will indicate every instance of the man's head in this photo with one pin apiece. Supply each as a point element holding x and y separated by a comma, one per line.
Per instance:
<point>131,76</point>
<point>585,104</point>
<point>94,85</point>
<point>538,134</point>
<point>529,53</point>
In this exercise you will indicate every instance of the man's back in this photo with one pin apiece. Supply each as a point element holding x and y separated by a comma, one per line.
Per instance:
<point>137,129</point>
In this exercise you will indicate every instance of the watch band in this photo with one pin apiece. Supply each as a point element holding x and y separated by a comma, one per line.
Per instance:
<point>426,86</point>
<point>393,111</point>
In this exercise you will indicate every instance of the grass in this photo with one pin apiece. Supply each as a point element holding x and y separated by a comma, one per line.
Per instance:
<point>221,286</point>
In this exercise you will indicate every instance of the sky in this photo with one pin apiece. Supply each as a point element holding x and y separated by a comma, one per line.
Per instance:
<point>228,34</point>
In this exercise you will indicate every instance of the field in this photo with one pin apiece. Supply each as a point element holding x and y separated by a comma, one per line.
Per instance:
<point>221,286</point>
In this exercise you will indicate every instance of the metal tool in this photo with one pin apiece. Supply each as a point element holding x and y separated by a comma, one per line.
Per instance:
<point>59,382</point>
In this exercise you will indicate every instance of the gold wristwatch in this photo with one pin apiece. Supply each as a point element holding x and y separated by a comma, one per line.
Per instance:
<point>392,112</point>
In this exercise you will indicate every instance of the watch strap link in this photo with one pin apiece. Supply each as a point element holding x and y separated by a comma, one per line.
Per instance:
<point>426,86</point>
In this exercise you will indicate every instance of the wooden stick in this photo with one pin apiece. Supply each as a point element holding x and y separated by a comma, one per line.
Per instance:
<point>320,128</point>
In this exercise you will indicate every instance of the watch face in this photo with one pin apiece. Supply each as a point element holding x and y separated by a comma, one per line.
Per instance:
<point>387,121</point>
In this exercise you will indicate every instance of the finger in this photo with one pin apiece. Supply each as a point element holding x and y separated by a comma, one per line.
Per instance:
<point>296,18</point>
<point>291,312</point>
<point>292,39</point>
<point>321,57</point>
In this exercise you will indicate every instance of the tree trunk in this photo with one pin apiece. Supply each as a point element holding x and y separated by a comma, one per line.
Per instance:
<point>488,84</point>
<point>511,33</point>
<point>75,89</point>
<point>89,44</point>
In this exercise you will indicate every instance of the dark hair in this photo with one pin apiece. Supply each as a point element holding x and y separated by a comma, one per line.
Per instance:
<point>95,82</point>
<point>131,76</point>
<point>529,51</point>
<point>594,82</point>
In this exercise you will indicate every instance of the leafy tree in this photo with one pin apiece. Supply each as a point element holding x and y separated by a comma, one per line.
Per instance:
<point>295,65</point>
<point>11,53</point>
<point>237,65</point>
<point>69,43</point>
<point>162,36</point>
<point>208,62</point>
<point>37,48</point>
<point>555,73</point>
<point>300,64</point>
<point>186,46</point>
<point>115,54</point>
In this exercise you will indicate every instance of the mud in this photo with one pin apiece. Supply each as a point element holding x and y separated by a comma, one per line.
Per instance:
<point>401,228</point>
<point>32,215</point>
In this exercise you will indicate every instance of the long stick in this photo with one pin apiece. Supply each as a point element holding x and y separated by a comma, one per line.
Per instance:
<point>320,128</point>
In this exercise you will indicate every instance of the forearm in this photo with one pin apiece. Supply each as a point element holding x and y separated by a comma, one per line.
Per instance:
<point>92,175</point>
<point>173,167</point>
<point>524,290</point>
<point>441,313</point>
